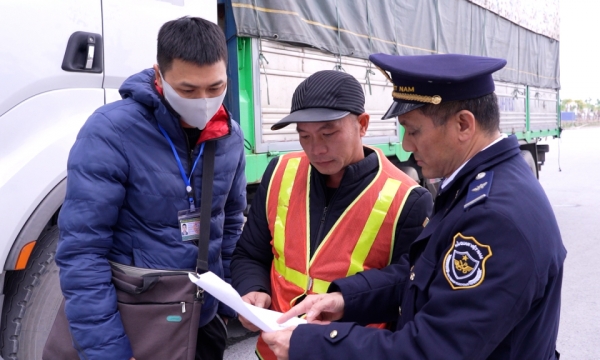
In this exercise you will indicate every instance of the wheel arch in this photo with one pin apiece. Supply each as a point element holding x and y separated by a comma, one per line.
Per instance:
<point>44,215</point>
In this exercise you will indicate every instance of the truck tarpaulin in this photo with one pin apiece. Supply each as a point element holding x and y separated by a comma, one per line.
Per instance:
<point>406,27</point>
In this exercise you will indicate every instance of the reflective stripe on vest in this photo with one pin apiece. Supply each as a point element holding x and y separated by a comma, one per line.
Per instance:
<point>367,237</point>
<point>362,247</point>
<point>283,204</point>
<point>361,250</point>
<point>360,239</point>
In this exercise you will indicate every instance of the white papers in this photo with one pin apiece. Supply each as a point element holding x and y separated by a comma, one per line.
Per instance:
<point>264,319</point>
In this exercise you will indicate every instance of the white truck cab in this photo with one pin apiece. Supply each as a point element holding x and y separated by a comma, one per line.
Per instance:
<point>59,61</point>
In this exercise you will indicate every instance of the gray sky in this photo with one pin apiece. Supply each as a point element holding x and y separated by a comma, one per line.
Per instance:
<point>579,49</point>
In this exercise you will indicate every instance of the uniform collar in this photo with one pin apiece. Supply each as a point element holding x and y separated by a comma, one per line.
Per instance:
<point>485,159</point>
<point>449,179</point>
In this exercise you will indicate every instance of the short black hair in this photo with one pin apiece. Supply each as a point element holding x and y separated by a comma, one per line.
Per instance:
<point>485,109</point>
<point>190,39</point>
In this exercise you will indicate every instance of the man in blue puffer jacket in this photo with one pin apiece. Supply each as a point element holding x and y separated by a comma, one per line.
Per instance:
<point>125,188</point>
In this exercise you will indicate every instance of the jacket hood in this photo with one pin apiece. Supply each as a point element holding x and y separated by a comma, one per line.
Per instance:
<point>140,87</point>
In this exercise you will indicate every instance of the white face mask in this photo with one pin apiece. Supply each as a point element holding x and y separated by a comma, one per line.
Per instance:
<point>195,112</point>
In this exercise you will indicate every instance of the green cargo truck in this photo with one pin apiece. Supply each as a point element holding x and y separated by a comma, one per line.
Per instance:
<point>274,45</point>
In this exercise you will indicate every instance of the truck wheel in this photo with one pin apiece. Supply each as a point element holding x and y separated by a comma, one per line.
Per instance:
<point>528,157</point>
<point>32,298</point>
<point>410,171</point>
<point>433,187</point>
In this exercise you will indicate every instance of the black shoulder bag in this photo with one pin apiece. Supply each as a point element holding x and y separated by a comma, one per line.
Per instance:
<point>160,309</point>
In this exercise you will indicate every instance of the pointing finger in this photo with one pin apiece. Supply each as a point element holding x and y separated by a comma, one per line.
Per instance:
<point>295,311</point>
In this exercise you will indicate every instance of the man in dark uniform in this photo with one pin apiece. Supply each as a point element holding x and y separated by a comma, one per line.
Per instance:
<point>483,280</point>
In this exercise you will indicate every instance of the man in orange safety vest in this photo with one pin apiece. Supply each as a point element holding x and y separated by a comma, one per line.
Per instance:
<point>333,210</point>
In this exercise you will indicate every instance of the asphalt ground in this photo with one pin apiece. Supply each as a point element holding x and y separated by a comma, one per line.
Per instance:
<point>571,178</point>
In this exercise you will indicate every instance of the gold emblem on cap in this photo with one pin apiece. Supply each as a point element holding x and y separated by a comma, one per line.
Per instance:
<point>435,99</point>
<point>405,89</point>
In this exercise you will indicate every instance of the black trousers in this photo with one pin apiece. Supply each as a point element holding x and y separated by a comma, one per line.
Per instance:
<point>212,340</point>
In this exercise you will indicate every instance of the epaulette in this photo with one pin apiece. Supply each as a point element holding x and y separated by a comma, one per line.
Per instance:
<point>479,189</point>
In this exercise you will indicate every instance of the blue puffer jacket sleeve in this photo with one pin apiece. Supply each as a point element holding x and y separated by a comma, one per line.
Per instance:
<point>97,172</point>
<point>234,219</point>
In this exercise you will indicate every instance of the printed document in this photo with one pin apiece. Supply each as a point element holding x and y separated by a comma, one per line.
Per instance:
<point>264,319</point>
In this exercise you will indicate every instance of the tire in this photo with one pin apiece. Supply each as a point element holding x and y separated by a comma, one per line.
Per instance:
<point>32,299</point>
<point>528,157</point>
<point>432,187</point>
<point>410,171</point>
<point>250,192</point>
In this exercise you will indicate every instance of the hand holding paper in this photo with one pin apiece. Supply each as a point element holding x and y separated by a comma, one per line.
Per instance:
<point>259,299</point>
<point>264,319</point>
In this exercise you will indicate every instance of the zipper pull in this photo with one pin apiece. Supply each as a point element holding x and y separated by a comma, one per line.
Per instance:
<point>183,307</point>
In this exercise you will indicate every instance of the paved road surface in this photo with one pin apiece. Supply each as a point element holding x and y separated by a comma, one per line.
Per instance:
<point>574,194</point>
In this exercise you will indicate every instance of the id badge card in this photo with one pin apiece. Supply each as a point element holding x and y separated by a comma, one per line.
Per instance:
<point>189,224</point>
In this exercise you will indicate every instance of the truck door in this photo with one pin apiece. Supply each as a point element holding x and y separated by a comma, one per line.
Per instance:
<point>50,82</point>
<point>42,105</point>
<point>35,36</point>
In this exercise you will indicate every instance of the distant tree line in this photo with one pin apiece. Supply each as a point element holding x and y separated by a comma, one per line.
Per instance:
<point>587,109</point>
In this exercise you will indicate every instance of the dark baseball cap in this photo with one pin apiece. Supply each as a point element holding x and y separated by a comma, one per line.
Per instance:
<point>324,96</point>
<point>434,79</point>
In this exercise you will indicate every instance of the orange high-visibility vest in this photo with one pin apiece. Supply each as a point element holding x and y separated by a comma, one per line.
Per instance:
<point>361,239</point>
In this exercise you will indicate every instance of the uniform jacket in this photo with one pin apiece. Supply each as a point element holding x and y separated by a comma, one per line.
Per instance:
<point>253,257</point>
<point>482,281</point>
<point>123,194</point>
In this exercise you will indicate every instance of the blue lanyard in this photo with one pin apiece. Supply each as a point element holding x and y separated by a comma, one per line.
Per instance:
<point>187,180</point>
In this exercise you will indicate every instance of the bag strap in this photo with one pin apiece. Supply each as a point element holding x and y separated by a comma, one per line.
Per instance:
<point>148,283</point>
<point>208,171</point>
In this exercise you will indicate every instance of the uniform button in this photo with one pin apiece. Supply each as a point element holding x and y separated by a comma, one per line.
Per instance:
<point>333,334</point>
<point>412,276</point>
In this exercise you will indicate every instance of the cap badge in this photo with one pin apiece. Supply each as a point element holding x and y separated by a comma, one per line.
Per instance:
<point>405,89</point>
<point>435,99</point>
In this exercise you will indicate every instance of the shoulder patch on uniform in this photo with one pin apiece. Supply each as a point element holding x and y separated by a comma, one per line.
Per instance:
<point>464,264</point>
<point>479,189</point>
